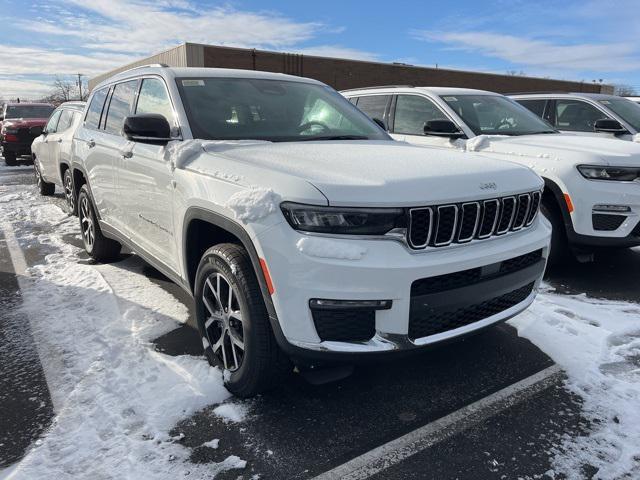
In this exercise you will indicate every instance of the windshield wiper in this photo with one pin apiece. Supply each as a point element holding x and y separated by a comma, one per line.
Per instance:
<point>334,137</point>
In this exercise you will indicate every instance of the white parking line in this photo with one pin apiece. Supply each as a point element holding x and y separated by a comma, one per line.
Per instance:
<point>397,450</point>
<point>51,364</point>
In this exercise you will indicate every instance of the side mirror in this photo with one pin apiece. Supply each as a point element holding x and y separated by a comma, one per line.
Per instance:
<point>147,128</point>
<point>608,125</point>
<point>37,130</point>
<point>381,123</point>
<point>442,128</point>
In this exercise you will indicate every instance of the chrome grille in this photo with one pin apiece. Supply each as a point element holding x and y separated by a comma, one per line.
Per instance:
<point>442,225</point>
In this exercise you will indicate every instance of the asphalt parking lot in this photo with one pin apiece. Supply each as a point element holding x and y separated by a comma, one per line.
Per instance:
<point>491,406</point>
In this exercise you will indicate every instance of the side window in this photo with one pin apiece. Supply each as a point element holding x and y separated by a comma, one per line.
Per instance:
<point>576,115</point>
<point>94,112</point>
<point>66,119</point>
<point>536,106</point>
<point>374,105</point>
<point>120,105</point>
<point>153,98</point>
<point>413,112</point>
<point>52,124</point>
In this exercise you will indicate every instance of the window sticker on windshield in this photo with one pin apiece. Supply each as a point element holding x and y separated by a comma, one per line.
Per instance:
<point>193,83</point>
<point>450,99</point>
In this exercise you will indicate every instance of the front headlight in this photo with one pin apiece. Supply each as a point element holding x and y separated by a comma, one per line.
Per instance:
<point>621,174</point>
<point>343,220</point>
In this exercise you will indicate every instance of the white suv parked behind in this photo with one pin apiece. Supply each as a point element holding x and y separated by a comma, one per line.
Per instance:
<point>301,229</point>
<point>591,195</point>
<point>586,113</point>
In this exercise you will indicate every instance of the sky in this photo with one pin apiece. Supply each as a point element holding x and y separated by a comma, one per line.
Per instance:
<point>575,40</point>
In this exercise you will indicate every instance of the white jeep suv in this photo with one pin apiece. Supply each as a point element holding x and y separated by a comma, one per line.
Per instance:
<point>303,231</point>
<point>586,113</point>
<point>592,189</point>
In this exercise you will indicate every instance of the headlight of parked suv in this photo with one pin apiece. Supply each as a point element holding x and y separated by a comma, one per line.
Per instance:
<point>623,174</point>
<point>343,220</point>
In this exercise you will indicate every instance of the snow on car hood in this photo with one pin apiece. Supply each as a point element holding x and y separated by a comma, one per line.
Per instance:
<point>381,172</point>
<point>576,148</point>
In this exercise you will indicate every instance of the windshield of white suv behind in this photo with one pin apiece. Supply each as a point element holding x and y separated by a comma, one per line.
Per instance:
<point>273,110</point>
<point>28,111</point>
<point>625,109</point>
<point>496,115</point>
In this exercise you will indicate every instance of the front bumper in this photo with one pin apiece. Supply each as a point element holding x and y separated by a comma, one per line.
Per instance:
<point>387,271</point>
<point>587,196</point>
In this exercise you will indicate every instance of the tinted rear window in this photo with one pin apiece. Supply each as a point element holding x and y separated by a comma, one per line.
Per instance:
<point>374,105</point>
<point>28,111</point>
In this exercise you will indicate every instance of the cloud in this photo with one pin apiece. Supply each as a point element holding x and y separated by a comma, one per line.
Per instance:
<point>542,54</point>
<point>17,87</point>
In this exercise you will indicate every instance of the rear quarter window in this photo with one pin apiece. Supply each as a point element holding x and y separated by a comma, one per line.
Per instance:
<point>94,112</point>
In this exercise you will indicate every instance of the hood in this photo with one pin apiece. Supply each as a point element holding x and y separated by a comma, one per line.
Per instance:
<point>564,146</point>
<point>381,173</point>
<point>24,122</point>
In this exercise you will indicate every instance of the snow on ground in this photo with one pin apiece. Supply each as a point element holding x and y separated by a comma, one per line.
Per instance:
<point>597,342</point>
<point>118,397</point>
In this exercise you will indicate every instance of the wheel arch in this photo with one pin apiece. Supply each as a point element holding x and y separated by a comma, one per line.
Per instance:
<point>201,230</point>
<point>553,193</point>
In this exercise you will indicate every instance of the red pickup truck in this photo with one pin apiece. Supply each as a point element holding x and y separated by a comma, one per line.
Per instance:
<point>20,124</point>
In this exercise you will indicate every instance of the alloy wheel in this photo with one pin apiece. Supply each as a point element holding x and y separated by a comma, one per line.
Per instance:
<point>68,192</point>
<point>86,223</point>
<point>223,321</point>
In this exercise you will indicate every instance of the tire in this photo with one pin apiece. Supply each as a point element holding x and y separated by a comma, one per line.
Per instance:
<point>559,251</point>
<point>99,247</point>
<point>69,192</point>
<point>10,159</point>
<point>238,339</point>
<point>44,188</point>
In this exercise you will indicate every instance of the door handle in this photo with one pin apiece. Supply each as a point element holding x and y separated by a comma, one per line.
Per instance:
<point>91,143</point>
<point>59,140</point>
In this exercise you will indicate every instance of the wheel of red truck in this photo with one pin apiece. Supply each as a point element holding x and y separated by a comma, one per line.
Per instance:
<point>10,159</point>
<point>99,247</point>
<point>234,323</point>
<point>69,194</point>
<point>44,188</point>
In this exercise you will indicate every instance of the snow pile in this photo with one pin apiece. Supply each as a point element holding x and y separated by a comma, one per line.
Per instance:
<point>115,397</point>
<point>253,203</point>
<point>481,142</point>
<point>179,152</point>
<point>231,412</point>
<point>327,248</point>
<point>597,342</point>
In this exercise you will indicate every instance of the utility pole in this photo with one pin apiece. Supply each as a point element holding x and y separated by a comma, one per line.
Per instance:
<point>80,75</point>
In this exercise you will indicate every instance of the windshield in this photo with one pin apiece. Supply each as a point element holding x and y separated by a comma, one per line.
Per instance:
<point>496,115</point>
<point>625,109</point>
<point>28,111</point>
<point>273,110</point>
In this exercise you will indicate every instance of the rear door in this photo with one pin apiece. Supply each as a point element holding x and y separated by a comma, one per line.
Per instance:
<point>55,146</point>
<point>45,154</point>
<point>576,116</point>
<point>145,181</point>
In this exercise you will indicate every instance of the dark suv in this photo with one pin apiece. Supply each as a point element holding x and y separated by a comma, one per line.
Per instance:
<point>20,124</point>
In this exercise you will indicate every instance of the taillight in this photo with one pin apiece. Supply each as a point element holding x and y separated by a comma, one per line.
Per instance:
<point>9,137</point>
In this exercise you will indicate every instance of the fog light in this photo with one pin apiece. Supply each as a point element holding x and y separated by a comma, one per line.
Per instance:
<point>611,208</point>
<point>326,304</point>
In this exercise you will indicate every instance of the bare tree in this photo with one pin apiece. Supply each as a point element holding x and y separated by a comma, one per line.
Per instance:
<point>516,73</point>
<point>624,90</point>
<point>65,90</point>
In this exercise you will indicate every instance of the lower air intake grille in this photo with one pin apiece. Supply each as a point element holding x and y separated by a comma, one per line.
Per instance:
<point>607,223</point>
<point>345,325</point>
<point>443,321</point>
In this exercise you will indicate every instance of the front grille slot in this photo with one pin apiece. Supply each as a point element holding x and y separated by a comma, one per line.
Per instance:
<point>446,225</point>
<point>490,210</point>
<point>536,197</point>
<point>420,227</point>
<point>522,211</point>
<point>469,222</point>
<point>507,212</point>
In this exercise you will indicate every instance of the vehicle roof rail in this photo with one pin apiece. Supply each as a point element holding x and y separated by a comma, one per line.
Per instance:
<point>377,86</point>
<point>147,65</point>
<point>554,92</point>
